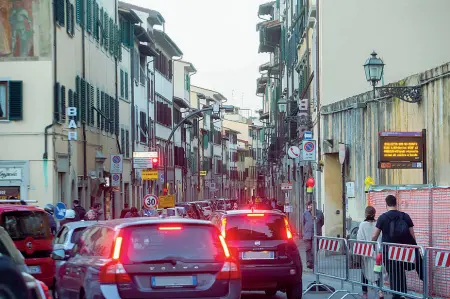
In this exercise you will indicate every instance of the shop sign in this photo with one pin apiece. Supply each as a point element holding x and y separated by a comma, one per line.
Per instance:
<point>72,114</point>
<point>8,174</point>
<point>166,201</point>
<point>8,192</point>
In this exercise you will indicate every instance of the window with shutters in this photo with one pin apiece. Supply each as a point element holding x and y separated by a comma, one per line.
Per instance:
<point>83,101</point>
<point>91,106</point>
<point>126,33</point>
<point>70,98</point>
<point>70,16</point>
<point>62,104</point>
<point>99,107</point>
<point>116,117</point>
<point>79,12</point>
<point>143,127</point>
<point>126,85</point>
<point>56,100</point>
<point>11,100</point>
<point>77,97</point>
<point>107,102</point>
<point>111,37</point>
<point>103,108</point>
<point>95,27</point>
<point>89,16</point>
<point>105,30</point>
<point>60,12</point>
<point>101,27</point>
<point>127,144</point>
<point>122,141</point>
<point>112,113</point>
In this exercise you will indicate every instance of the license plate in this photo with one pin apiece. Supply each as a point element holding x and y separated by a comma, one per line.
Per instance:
<point>35,269</point>
<point>258,255</point>
<point>174,281</point>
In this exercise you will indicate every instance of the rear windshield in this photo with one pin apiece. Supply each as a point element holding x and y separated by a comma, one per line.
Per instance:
<point>246,228</point>
<point>77,234</point>
<point>22,224</point>
<point>191,243</point>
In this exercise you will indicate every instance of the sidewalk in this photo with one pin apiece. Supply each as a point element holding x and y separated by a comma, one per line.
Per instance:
<point>309,277</point>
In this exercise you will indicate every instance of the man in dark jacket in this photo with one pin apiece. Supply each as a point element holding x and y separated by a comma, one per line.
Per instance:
<point>80,212</point>
<point>308,231</point>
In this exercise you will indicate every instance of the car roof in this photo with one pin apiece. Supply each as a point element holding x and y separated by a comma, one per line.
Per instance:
<point>12,208</point>
<point>240,212</point>
<point>78,224</point>
<point>127,222</point>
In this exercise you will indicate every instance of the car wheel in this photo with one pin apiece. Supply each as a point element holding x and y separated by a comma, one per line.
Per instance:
<point>294,291</point>
<point>270,293</point>
<point>12,283</point>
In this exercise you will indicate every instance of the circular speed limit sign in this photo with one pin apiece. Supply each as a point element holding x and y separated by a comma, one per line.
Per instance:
<point>150,201</point>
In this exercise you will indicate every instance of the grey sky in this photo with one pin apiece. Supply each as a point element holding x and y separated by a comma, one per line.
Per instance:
<point>219,37</point>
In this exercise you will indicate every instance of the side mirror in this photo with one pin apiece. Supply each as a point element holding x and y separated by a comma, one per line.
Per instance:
<point>59,255</point>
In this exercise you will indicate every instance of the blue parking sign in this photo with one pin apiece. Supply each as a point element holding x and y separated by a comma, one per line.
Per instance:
<point>60,211</point>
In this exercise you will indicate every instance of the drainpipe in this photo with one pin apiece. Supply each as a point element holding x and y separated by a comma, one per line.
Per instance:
<point>83,57</point>
<point>319,147</point>
<point>133,118</point>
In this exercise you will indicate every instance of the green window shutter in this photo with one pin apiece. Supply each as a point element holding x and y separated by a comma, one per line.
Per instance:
<point>126,85</point>
<point>118,44</point>
<point>122,84</point>
<point>205,141</point>
<point>79,12</point>
<point>130,35</point>
<point>105,30</point>
<point>112,110</point>
<point>15,100</point>
<point>95,20</point>
<point>68,17</point>
<point>76,96</point>
<point>127,143</point>
<point>99,107</point>
<point>91,106</point>
<point>56,102</point>
<point>111,36</point>
<point>122,142</point>
<point>102,109</point>
<point>108,116</point>
<point>63,104</point>
<point>60,12</point>
<point>89,16</point>
<point>101,29</point>
<point>83,101</point>
<point>116,117</point>
<point>70,94</point>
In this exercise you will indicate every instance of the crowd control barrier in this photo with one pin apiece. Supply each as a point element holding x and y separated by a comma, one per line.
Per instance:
<point>399,270</point>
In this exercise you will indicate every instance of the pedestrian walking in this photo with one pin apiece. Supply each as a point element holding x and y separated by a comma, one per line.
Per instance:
<point>308,231</point>
<point>80,212</point>
<point>365,233</point>
<point>132,213</point>
<point>396,227</point>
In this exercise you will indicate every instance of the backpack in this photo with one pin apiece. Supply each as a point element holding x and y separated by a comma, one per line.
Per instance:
<point>398,228</point>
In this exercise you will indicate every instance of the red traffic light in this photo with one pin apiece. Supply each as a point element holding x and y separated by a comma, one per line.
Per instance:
<point>310,183</point>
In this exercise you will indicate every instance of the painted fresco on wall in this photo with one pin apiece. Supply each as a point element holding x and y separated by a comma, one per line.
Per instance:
<point>16,28</point>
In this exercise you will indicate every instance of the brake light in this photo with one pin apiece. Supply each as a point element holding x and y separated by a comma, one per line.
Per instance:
<point>117,247</point>
<point>230,270</point>
<point>288,229</point>
<point>113,273</point>
<point>225,247</point>
<point>169,228</point>
<point>255,215</point>
<point>224,225</point>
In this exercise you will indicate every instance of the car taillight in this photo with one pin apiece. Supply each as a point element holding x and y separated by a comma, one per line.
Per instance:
<point>169,228</point>
<point>46,290</point>
<point>113,273</point>
<point>230,270</point>
<point>288,229</point>
<point>255,215</point>
<point>117,247</point>
<point>224,225</point>
<point>225,247</point>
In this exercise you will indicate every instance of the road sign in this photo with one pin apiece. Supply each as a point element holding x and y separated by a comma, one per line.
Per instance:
<point>203,172</point>
<point>166,201</point>
<point>143,160</point>
<point>60,211</point>
<point>294,152</point>
<point>151,201</point>
<point>286,186</point>
<point>116,164</point>
<point>309,150</point>
<point>149,174</point>
<point>342,153</point>
<point>307,135</point>
<point>161,177</point>
<point>115,180</point>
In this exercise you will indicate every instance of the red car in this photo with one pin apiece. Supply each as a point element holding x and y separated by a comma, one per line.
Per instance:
<point>29,228</point>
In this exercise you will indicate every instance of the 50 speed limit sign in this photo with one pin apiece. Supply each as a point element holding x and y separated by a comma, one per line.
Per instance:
<point>150,201</point>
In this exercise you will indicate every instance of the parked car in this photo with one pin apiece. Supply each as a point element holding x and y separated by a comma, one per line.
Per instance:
<point>65,239</point>
<point>192,210</point>
<point>14,272</point>
<point>205,208</point>
<point>263,242</point>
<point>29,228</point>
<point>149,258</point>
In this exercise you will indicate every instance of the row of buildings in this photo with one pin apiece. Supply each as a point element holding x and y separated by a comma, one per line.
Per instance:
<point>314,81</point>
<point>127,80</point>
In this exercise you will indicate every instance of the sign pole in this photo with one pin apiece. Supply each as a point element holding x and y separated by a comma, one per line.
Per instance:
<point>424,161</point>
<point>342,158</point>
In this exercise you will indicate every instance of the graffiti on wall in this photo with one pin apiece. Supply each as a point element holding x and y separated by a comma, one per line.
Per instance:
<point>16,28</point>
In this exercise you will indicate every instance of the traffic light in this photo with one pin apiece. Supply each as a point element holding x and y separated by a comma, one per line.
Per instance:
<point>155,163</point>
<point>165,191</point>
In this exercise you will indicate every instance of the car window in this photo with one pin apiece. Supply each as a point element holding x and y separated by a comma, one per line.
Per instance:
<point>22,224</point>
<point>61,235</point>
<point>189,243</point>
<point>77,234</point>
<point>103,241</point>
<point>85,245</point>
<point>266,227</point>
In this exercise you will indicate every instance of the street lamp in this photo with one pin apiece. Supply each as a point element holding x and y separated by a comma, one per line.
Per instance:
<point>282,104</point>
<point>374,70</point>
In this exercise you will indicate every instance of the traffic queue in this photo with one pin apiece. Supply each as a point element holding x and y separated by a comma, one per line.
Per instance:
<point>211,248</point>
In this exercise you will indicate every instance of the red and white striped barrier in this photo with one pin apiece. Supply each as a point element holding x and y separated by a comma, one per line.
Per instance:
<point>329,245</point>
<point>442,259</point>
<point>402,254</point>
<point>364,249</point>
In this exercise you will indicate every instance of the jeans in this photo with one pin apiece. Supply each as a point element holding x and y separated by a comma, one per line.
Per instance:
<point>309,252</point>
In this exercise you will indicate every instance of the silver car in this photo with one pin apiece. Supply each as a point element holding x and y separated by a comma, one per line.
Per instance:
<point>65,239</point>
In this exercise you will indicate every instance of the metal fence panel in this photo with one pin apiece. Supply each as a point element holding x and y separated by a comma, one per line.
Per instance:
<point>437,273</point>
<point>331,258</point>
